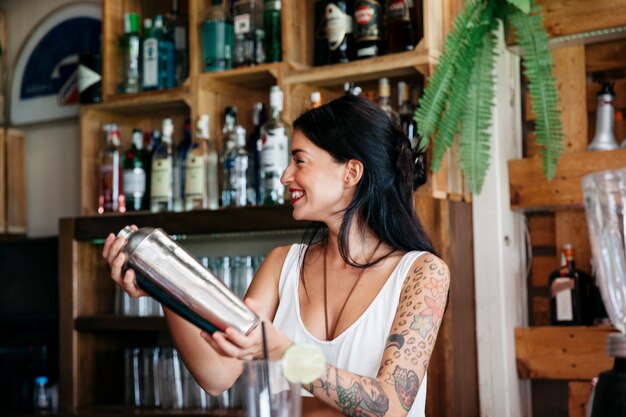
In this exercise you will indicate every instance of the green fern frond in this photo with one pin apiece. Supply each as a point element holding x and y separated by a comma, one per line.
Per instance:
<point>537,61</point>
<point>457,100</point>
<point>433,100</point>
<point>474,140</point>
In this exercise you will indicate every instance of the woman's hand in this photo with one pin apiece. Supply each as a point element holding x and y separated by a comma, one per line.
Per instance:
<point>234,344</point>
<point>116,259</point>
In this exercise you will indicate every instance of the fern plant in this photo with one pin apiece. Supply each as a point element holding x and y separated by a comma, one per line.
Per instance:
<point>459,97</point>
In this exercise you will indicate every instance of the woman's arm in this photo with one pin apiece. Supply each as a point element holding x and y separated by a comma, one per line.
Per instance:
<point>407,352</point>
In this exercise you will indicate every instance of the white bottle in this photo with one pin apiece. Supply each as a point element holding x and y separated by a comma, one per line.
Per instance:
<point>162,187</point>
<point>201,188</point>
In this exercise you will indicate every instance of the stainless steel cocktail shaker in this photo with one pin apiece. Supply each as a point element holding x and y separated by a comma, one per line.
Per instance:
<point>175,278</point>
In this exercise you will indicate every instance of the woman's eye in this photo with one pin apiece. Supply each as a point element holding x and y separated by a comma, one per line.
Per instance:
<point>298,161</point>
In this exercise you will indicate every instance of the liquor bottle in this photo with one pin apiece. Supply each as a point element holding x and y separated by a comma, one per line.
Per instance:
<point>384,100</point>
<point>320,40</point>
<point>570,292</point>
<point>182,149</point>
<point>235,171</point>
<point>163,172</point>
<point>217,38</point>
<point>406,112</point>
<point>339,30</point>
<point>110,175</point>
<point>130,45</point>
<point>416,10</point>
<point>134,173</point>
<point>604,139</point>
<point>249,35</point>
<point>274,151</point>
<point>177,28</point>
<point>272,30</point>
<point>316,100</point>
<point>149,57</point>
<point>259,117</point>
<point>399,26</point>
<point>158,58</point>
<point>368,33</point>
<point>149,145</point>
<point>167,60</point>
<point>201,187</point>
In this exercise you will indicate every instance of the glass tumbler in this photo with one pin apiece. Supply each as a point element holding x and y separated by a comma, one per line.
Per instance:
<point>268,393</point>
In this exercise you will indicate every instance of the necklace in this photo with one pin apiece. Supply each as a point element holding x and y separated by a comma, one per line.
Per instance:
<point>330,334</point>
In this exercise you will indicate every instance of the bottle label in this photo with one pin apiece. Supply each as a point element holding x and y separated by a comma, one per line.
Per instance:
<point>150,62</point>
<point>367,18</point>
<point>162,177</point>
<point>86,77</point>
<point>398,10</point>
<point>135,182</point>
<point>242,24</point>
<point>338,25</point>
<point>195,176</point>
<point>561,289</point>
<point>274,152</point>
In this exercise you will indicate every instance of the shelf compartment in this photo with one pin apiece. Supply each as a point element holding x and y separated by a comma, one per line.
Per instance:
<point>394,65</point>
<point>530,190</point>
<point>147,101</point>
<point>564,353</point>
<point>114,323</point>
<point>201,222</point>
<point>259,77</point>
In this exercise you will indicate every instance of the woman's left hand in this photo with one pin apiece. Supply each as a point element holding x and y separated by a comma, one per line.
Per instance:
<point>234,344</point>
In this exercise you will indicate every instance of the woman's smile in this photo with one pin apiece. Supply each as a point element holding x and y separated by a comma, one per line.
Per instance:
<point>296,194</point>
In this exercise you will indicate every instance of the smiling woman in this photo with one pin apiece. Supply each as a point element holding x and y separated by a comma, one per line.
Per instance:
<point>365,286</point>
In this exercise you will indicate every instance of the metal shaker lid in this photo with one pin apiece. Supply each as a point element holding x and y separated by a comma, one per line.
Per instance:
<point>134,237</point>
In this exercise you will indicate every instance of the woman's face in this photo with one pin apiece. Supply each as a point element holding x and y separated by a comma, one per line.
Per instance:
<point>316,181</point>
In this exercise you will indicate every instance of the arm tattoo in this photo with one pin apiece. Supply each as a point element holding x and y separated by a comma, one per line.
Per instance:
<point>356,401</point>
<point>406,384</point>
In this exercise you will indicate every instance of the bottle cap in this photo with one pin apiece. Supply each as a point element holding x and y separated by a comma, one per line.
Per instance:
<point>41,380</point>
<point>203,126</point>
<point>316,99</point>
<point>276,98</point>
<point>607,88</point>
<point>383,88</point>
<point>147,23</point>
<point>168,128</point>
<point>158,21</point>
<point>138,138</point>
<point>131,23</point>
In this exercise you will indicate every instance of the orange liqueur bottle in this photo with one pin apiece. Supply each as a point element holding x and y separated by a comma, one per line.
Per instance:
<point>570,292</point>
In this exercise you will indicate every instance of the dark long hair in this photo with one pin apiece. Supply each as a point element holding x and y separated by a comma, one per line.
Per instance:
<point>353,127</point>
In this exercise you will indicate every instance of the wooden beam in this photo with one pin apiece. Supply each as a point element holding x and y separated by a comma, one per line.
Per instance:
<point>16,182</point>
<point>530,190</point>
<point>562,352</point>
<point>565,17</point>
<point>577,397</point>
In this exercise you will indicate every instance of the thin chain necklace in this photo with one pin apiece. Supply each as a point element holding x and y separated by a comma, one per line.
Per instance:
<point>331,334</point>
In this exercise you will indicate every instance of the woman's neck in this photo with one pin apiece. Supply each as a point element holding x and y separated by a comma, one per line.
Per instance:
<point>362,243</point>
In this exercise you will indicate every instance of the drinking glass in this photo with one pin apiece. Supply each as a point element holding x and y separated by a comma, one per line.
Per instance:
<point>170,379</point>
<point>268,393</point>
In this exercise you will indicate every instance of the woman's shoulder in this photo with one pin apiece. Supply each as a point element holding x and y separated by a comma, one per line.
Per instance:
<point>428,266</point>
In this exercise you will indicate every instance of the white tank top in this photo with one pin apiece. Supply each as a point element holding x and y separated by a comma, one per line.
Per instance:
<point>358,349</point>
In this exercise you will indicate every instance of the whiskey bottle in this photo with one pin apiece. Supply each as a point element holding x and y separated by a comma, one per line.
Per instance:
<point>110,174</point>
<point>134,173</point>
<point>339,31</point>
<point>163,172</point>
<point>570,292</point>
<point>274,151</point>
<point>399,26</point>
<point>368,20</point>
<point>384,99</point>
<point>201,188</point>
<point>217,38</point>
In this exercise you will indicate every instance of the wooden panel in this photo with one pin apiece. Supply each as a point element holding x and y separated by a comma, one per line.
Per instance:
<point>569,70</point>
<point>4,73</point>
<point>530,190</point>
<point>542,267</point>
<point>540,309</point>
<point>577,397</point>
<point>16,182</point>
<point>541,228</point>
<point>68,366</point>
<point>571,226</point>
<point>563,17</point>
<point>605,56</point>
<point>561,352</point>
<point>112,26</point>
<point>298,33</point>
<point>3,196</point>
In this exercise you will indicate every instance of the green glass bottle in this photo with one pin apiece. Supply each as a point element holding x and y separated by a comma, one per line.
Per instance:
<point>130,50</point>
<point>271,27</point>
<point>217,38</point>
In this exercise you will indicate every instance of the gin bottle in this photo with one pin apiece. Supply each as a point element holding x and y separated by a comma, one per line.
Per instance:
<point>217,38</point>
<point>274,151</point>
<point>235,171</point>
<point>249,34</point>
<point>134,173</point>
<point>110,175</point>
<point>130,44</point>
<point>272,30</point>
<point>201,188</point>
<point>163,172</point>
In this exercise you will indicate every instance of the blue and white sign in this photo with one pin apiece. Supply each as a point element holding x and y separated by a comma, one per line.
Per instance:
<point>44,85</point>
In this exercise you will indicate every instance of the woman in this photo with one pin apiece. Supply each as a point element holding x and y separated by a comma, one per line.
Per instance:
<point>366,287</point>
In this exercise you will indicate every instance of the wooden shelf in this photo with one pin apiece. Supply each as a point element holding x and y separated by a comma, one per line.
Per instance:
<point>553,352</point>
<point>529,189</point>
<point>201,222</point>
<point>119,324</point>
<point>148,101</point>
<point>394,65</point>
<point>259,77</point>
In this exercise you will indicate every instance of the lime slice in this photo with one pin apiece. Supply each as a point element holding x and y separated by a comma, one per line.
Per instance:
<point>303,363</point>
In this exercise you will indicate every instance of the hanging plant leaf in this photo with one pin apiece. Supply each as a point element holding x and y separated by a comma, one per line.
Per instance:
<point>433,100</point>
<point>537,61</point>
<point>474,139</point>
<point>522,5</point>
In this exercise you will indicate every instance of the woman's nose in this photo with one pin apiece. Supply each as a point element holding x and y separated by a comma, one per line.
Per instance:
<point>287,176</point>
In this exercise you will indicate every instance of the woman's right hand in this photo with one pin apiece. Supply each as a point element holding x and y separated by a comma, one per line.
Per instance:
<point>116,259</point>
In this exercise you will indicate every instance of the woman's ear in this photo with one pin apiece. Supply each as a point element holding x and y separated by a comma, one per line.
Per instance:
<point>354,172</point>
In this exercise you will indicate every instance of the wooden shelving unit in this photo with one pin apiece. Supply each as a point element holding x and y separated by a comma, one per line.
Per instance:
<point>93,338</point>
